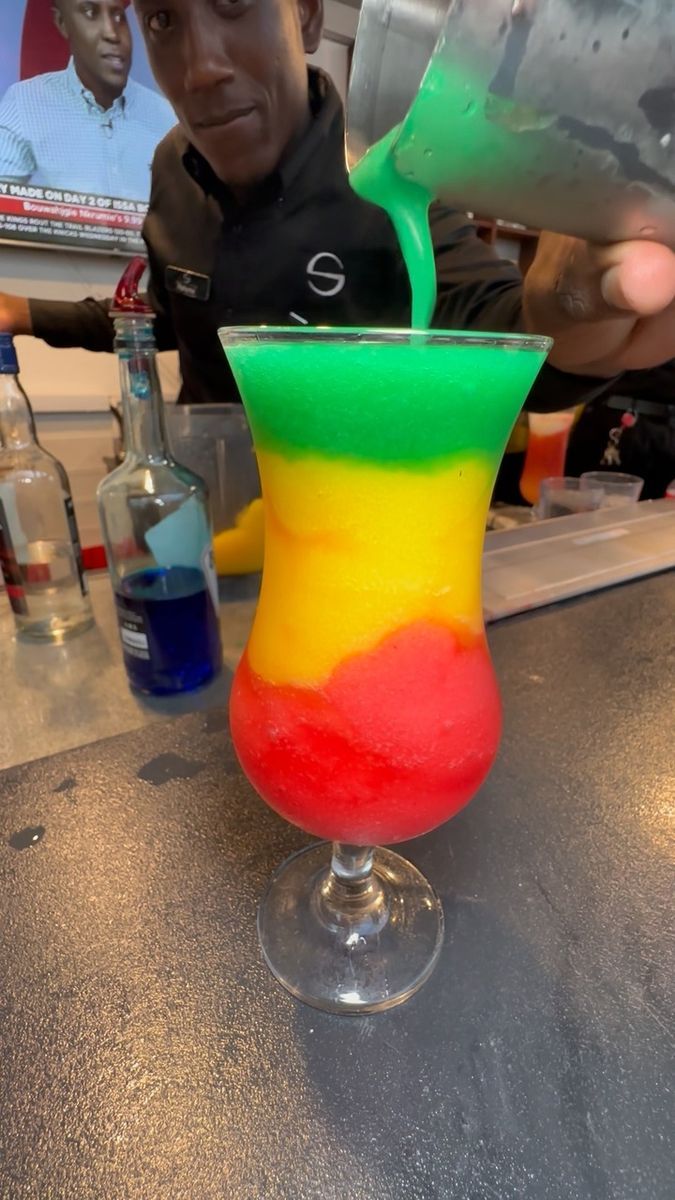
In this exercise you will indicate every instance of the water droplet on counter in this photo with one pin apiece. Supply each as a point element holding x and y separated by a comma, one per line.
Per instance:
<point>25,838</point>
<point>66,785</point>
<point>218,720</point>
<point>428,152</point>
<point>167,767</point>
<point>596,46</point>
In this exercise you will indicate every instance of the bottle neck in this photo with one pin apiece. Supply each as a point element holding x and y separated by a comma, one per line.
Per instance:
<point>143,407</point>
<point>17,425</point>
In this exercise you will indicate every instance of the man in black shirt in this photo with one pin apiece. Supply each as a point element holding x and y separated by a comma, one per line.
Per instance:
<point>252,221</point>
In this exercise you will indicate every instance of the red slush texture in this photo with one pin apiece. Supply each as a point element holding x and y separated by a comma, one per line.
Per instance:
<point>395,743</point>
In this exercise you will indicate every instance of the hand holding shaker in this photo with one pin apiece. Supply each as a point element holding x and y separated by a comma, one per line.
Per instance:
<point>556,114</point>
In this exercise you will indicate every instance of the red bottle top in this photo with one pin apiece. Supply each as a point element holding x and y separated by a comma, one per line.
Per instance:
<point>127,301</point>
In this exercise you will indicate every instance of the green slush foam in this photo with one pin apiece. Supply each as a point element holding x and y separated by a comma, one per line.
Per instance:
<point>407,402</point>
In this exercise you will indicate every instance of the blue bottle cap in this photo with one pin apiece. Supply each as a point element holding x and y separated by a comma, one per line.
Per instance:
<point>9,364</point>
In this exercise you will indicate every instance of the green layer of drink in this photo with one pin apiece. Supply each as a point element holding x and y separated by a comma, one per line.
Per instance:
<point>413,399</point>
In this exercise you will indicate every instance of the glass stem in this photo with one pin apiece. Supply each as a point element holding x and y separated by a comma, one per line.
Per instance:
<point>351,896</point>
<point>351,864</point>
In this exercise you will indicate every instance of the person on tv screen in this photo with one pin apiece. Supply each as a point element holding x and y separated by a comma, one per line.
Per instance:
<point>89,128</point>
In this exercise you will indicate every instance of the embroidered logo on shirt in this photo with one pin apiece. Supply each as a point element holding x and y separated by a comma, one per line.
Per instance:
<point>326,274</point>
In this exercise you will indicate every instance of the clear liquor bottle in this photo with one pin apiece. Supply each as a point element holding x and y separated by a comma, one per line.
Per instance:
<point>40,551</point>
<point>156,526</point>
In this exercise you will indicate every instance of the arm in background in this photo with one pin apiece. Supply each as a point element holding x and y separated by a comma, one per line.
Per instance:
<point>87,324</point>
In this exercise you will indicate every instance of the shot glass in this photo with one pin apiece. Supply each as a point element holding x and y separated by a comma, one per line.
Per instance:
<point>616,487</point>
<point>564,496</point>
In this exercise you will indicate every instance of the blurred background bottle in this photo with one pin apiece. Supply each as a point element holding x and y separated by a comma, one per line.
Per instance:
<point>40,550</point>
<point>156,526</point>
<point>547,442</point>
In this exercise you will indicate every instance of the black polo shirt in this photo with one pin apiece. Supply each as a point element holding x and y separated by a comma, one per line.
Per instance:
<point>304,249</point>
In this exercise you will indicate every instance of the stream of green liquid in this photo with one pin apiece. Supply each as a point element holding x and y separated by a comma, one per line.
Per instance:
<point>454,126</point>
<point>376,179</point>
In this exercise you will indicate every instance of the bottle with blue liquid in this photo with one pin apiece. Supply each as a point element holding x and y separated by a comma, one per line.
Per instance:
<point>156,526</point>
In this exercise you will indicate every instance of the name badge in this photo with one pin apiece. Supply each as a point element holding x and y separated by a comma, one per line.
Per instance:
<point>187,283</point>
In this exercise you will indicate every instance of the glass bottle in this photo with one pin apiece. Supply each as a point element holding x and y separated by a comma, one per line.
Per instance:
<point>40,550</point>
<point>156,526</point>
<point>549,435</point>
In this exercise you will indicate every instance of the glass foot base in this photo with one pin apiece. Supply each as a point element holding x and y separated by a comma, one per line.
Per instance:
<point>350,944</point>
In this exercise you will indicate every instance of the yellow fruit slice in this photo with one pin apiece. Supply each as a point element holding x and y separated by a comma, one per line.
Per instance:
<point>239,551</point>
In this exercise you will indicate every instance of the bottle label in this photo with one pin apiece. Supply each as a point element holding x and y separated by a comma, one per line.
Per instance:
<point>77,549</point>
<point>11,571</point>
<point>133,633</point>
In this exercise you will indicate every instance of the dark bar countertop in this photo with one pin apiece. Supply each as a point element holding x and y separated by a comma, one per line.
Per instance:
<point>147,1054</point>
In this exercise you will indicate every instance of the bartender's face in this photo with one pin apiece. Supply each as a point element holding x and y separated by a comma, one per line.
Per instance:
<point>100,43</point>
<point>235,73</point>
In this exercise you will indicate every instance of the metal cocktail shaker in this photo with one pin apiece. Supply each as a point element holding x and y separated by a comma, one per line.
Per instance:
<point>557,114</point>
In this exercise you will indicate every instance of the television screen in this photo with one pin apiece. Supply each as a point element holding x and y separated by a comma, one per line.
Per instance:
<point>80,117</point>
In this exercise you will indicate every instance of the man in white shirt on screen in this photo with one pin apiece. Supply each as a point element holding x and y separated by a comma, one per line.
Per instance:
<point>90,128</point>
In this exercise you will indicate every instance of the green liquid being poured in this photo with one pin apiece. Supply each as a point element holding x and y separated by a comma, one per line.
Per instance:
<point>454,126</point>
<point>376,179</point>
